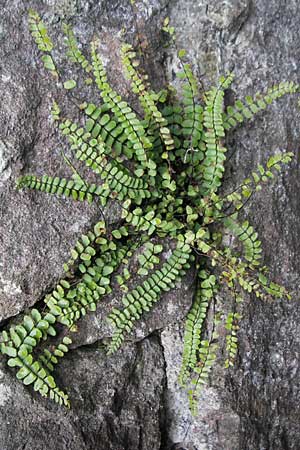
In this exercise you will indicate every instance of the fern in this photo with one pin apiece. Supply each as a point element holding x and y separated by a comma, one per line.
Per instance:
<point>255,182</point>
<point>143,297</point>
<point>61,186</point>
<point>192,120</point>
<point>194,324</point>
<point>43,41</point>
<point>243,110</point>
<point>207,357</point>
<point>246,234</point>
<point>213,163</point>
<point>49,358</point>
<point>74,54</point>
<point>124,114</point>
<point>18,344</point>
<point>148,258</point>
<point>231,325</point>
<point>146,98</point>
<point>164,168</point>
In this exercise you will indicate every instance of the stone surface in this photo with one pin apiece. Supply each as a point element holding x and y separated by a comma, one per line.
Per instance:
<point>110,397</point>
<point>259,42</point>
<point>215,424</point>
<point>117,402</point>
<point>131,400</point>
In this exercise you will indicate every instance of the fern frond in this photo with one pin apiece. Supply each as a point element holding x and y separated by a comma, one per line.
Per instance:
<point>255,182</point>
<point>70,304</point>
<point>49,358</point>
<point>146,98</point>
<point>18,344</point>
<point>77,190</point>
<point>148,259</point>
<point>124,114</point>
<point>39,32</point>
<point>149,222</point>
<point>249,239</point>
<point>173,116</point>
<point>32,372</point>
<point>235,270</point>
<point>84,247</point>
<point>213,163</point>
<point>231,337</point>
<point>142,298</point>
<point>44,43</point>
<point>246,109</point>
<point>101,126</point>
<point>28,334</point>
<point>120,183</point>
<point>194,324</point>
<point>74,53</point>
<point>192,124</point>
<point>207,358</point>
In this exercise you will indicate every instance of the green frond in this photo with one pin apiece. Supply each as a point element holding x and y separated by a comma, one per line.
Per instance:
<point>44,43</point>
<point>246,109</point>
<point>213,163</point>
<point>84,248</point>
<point>207,358</point>
<point>192,123</point>
<point>49,358</point>
<point>125,116</point>
<point>173,116</point>
<point>74,53</point>
<point>69,303</point>
<point>31,372</point>
<point>119,183</point>
<point>150,223</point>
<point>148,258</point>
<point>249,239</point>
<point>76,189</point>
<point>147,99</point>
<point>28,334</point>
<point>270,288</point>
<point>39,32</point>
<point>257,179</point>
<point>144,296</point>
<point>232,327</point>
<point>101,126</point>
<point>18,344</point>
<point>194,324</point>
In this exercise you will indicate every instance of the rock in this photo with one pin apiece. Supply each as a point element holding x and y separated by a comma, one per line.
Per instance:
<point>37,231</point>
<point>117,403</point>
<point>131,400</point>
<point>258,41</point>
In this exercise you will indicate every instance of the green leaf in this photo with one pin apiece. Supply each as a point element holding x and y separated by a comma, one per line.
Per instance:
<point>69,84</point>
<point>29,379</point>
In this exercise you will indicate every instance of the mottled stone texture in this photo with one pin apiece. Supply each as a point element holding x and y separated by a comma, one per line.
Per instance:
<point>258,40</point>
<point>131,401</point>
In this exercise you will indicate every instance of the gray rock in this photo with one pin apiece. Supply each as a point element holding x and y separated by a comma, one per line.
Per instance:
<point>116,403</point>
<point>131,400</point>
<point>259,42</point>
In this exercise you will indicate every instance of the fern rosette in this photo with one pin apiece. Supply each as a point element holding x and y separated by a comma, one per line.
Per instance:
<point>164,167</point>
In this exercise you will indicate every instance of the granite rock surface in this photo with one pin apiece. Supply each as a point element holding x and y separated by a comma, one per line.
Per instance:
<point>131,401</point>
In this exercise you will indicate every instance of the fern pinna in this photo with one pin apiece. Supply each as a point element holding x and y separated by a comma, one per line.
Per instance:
<point>164,167</point>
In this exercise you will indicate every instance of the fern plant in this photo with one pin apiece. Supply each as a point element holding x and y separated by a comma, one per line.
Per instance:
<point>164,165</point>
